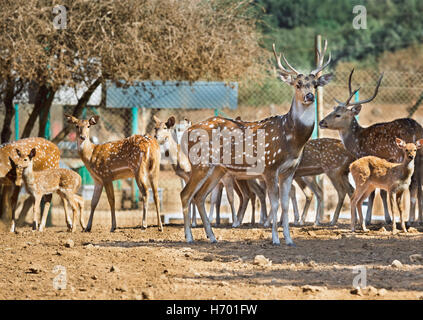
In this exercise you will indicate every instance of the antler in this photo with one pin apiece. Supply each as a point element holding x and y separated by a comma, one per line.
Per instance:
<point>352,93</point>
<point>321,57</point>
<point>348,103</point>
<point>280,66</point>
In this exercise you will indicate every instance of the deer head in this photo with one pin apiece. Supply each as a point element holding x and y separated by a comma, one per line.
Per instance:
<point>343,114</point>
<point>162,131</point>
<point>23,162</point>
<point>305,85</point>
<point>410,149</point>
<point>82,126</point>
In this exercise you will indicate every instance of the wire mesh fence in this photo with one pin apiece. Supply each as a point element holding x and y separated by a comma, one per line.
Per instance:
<point>399,91</point>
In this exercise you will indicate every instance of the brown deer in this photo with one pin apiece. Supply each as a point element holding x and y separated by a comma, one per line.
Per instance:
<point>273,149</point>
<point>372,172</point>
<point>164,131</point>
<point>48,157</point>
<point>64,182</point>
<point>133,157</point>
<point>377,140</point>
<point>328,156</point>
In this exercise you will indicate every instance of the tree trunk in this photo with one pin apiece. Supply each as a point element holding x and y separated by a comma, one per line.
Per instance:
<point>82,102</point>
<point>10,111</point>
<point>44,114</point>
<point>43,101</point>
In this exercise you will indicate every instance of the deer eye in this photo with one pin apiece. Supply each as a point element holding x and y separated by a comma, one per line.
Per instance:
<point>338,116</point>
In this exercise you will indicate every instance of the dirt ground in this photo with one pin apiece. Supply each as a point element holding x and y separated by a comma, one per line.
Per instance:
<point>133,263</point>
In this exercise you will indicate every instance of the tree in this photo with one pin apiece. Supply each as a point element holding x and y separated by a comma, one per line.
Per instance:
<point>123,41</point>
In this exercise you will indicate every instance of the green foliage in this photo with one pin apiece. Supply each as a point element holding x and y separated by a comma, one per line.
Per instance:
<point>292,25</point>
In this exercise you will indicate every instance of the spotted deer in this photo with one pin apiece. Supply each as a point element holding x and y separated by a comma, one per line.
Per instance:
<point>273,149</point>
<point>48,157</point>
<point>133,157</point>
<point>64,182</point>
<point>328,156</point>
<point>372,172</point>
<point>164,132</point>
<point>376,140</point>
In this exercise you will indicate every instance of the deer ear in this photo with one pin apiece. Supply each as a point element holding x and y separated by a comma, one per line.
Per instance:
<point>157,120</point>
<point>187,122</point>
<point>288,79</point>
<point>12,163</point>
<point>32,153</point>
<point>94,120</point>
<point>324,79</point>
<point>419,143</point>
<point>170,122</point>
<point>71,118</point>
<point>356,109</point>
<point>400,143</point>
<point>18,153</point>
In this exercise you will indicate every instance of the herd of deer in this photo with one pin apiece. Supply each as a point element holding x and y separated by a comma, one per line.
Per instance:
<point>277,151</point>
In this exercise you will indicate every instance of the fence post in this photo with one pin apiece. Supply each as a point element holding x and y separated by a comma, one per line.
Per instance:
<point>16,121</point>
<point>319,113</point>
<point>134,129</point>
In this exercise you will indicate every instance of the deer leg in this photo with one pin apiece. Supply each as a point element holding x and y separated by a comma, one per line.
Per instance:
<point>111,198</point>
<point>36,212</point>
<point>260,193</point>
<point>218,202</point>
<point>193,214</point>
<point>252,196</point>
<point>80,201</point>
<point>142,186</point>
<point>229,186</point>
<point>413,196</point>
<point>98,188</point>
<point>233,185</point>
<point>69,197</point>
<point>154,182</point>
<point>341,192</point>
<point>213,200</point>
<point>391,202</point>
<point>47,204</point>
<point>369,208</point>
<point>211,181</point>
<point>356,201</point>
<point>400,211</point>
<point>65,208</point>
<point>243,188</point>
<point>359,209</point>
<point>285,186</point>
<point>314,187</point>
<point>293,197</point>
<point>273,193</point>
<point>13,201</point>
<point>195,182</point>
<point>383,195</point>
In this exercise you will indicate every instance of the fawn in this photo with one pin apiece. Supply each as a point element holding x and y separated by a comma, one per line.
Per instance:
<point>39,183</point>
<point>372,172</point>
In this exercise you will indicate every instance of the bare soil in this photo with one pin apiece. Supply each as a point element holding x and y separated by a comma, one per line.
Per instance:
<point>133,263</point>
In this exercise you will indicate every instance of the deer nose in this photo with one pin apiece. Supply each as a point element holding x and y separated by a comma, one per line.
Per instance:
<point>309,97</point>
<point>322,124</point>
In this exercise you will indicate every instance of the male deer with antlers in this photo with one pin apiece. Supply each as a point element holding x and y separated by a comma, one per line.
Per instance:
<point>375,140</point>
<point>48,157</point>
<point>372,172</point>
<point>164,131</point>
<point>133,157</point>
<point>273,149</point>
